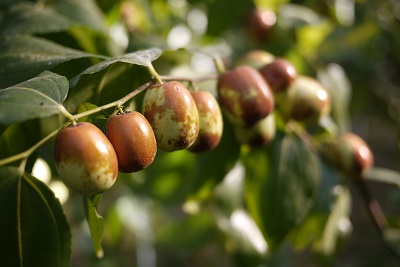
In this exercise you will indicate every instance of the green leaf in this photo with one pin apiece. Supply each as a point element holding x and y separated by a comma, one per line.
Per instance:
<point>217,23</point>
<point>35,231</point>
<point>85,13</point>
<point>38,97</point>
<point>337,228</point>
<point>23,57</point>
<point>95,221</point>
<point>281,186</point>
<point>335,80</point>
<point>141,57</point>
<point>326,197</point>
<point>211,167</point>
<point>30,18</point>
<point>384,175</point>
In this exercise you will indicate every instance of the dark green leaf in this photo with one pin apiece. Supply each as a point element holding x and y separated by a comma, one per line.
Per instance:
<point>95,221</point>
<point>337,228</point>
<point>29,18</point>
<point>85,13</point>
<point>35,231</point>
<point>237,13</point>
<point>211,167</point>
<point>142,58</point>
<point>23,57</point>
<point>281,186</point>
<point>19,137</point>
<point>38,97</point>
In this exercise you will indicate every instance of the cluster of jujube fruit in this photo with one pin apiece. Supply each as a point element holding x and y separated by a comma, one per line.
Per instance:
<point>174,118</point>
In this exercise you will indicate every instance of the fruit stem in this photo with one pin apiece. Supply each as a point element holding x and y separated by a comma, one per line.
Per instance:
<point>219,64</point>
<point>190,80</point>
<point>28,152</point>
<point>154,73</point>
<point>68,115</point>
<point>117,103</point>
<point>375,212</point>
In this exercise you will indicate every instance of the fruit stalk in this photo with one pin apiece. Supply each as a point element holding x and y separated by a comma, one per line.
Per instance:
<point>375,212</point>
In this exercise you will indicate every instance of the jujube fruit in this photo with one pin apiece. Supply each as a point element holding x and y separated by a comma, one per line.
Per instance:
<point>305,100</point>
<point>260,23</point>
<point>350,154</point>
<point>85,159</point>
<point>260,134</point>
<point>172,113</point>
<point>211,122</point>
<point>279,74</point>
<point>133,140</point>
<point>255,59</point>
<point>244,95</point>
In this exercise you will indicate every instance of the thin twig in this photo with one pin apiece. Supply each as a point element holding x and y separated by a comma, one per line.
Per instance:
<point>376,213</point>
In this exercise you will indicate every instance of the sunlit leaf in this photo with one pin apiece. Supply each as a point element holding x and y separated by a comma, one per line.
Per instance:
<point>23,57</point>
<point>142,58</point>
<point>281,186</point>
<point>384,175</point>
<point>335,80</point>
<point>35,231</point>
<point>95,221</point>
<point>38,97</point>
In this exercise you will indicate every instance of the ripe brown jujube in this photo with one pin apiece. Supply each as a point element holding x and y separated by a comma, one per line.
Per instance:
<point>305,100</point>
<point>133,140</point>
<point>211,122</point>
<point>260,23</point>
<point>279,74</point>
<point>172,113</point>
<point>350,154</point>
<point>244,95</point>
<point>85,159</point>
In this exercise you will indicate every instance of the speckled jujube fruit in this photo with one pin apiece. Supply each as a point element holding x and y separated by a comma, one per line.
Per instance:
<point>305,100</point>
<point>172,113</point>
<point>211,122</point>
<point>260,23</point>
<point>85,159</point>
<point>350,154</point>
<point>244,96</point>
<point>133,140</point>
<point>255,59</point>
<point>279,74</point>
<point>258,135</point>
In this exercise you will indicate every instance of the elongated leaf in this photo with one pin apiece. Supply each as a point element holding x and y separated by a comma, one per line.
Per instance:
<point>338,85</point>
<point>36,98</point>
<point>28,18</point>
<point>142,58</point>
<point>281,186</point>
<point>95,221</point>
<point>337,228</point>
<point>23,57</point>
<point>384,176</point>
<point>35,231</point>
